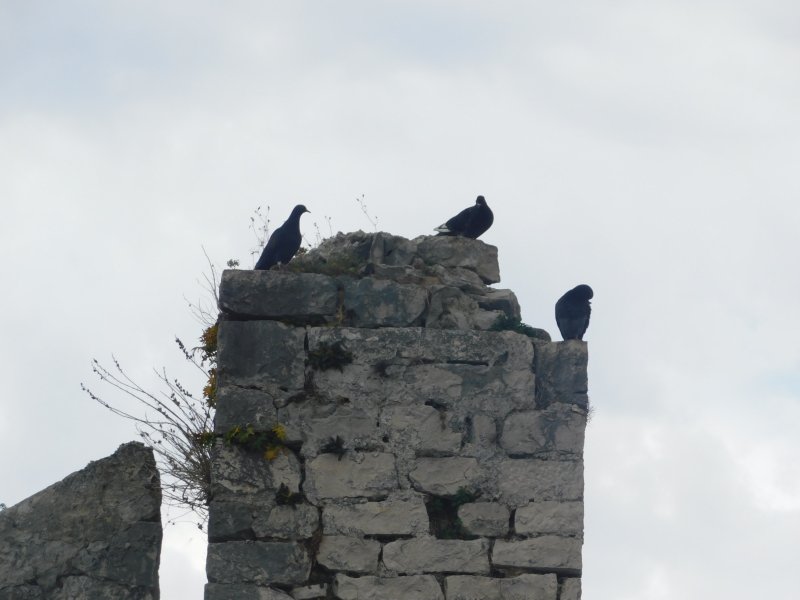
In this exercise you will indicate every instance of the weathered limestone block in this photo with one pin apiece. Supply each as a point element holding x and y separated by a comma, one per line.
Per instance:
<point>354,475</point>
<point>300,297</point>
<point>445,476</point>
<point>502,300</point>
<point>261,354</point>
<point>422,428</point>
<point>570,589</point>
<point>561,373</point>
<point>87,587</point>
<point>484,430</point>
<point>315,423</point>
<point>431,555</point>
<point>232,520</point>
<point>391,517</point>
<point>243,591</point>
<point>247,477</point>
<point>549,552</point>
<point>523,587</point>
<point>522,481</point>
<point>380,303</point>
<point>456,277</point>
<point>287,522</point>
<point>98,529</point>
<point>461,252</point>
<point>344,553</point>
<point>260,563</point>
<point>488,519</point>
<point>539,518</point>
<point>450,308</point>
<point>557,430</point>
<point>239,406</point>
<point>415,587</point>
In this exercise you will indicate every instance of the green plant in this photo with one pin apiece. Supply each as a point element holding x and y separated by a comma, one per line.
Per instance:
<point>329,356</point>
<point>266,442</point>
<point>506,323</point>
<point>334,446</point>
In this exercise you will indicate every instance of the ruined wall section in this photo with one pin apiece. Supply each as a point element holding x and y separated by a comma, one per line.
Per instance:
<point>95,534</point>
<point>426,457</point>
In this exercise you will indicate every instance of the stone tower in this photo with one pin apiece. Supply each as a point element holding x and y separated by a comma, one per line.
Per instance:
<point>419,444</point>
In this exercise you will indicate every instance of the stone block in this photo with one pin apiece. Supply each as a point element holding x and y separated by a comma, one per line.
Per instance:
<point>243,591</point>
<point>239,406</point>
<point>300,297</point>
<point>99,529</point>
<point>461,252</point>
<point>287,522</point>
<point>261,354</point>
<point>548,552</point>
<point>523,587</point>
<point>415,587</point>
<point>557,431</point>
<point>391,517</point>
<point>422,428</point>
<point>231,520</point>
<point>372,302</point>
<point>502,300</point>
<point>344,553</point>
<point>488,519</point>
<point>259,563</point>
<point>539,518</point>
<point>521,481</point>
<point>570,589</point>
<point>561,372</point>
<point>241,476</point>
<point>354,475</point>
<point>484,430</point>
<point>431,555</point>
<point>445,476</point>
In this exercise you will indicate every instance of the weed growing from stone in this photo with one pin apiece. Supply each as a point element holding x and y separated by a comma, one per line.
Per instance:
<point>506,323</point>
<point>334,446</point>
<point>329,356</point>
<point>267,443</point>
<point>443,515</point>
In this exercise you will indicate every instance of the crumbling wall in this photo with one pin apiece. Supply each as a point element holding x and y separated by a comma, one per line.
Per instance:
<point>423,457</point>
<point>95,534</point>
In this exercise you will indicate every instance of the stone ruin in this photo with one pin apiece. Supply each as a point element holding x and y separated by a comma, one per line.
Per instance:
<point>94,535</point>
<point>425,456</point>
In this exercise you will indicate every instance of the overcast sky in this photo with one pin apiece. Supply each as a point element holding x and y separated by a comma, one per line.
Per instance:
<point>649,149</point>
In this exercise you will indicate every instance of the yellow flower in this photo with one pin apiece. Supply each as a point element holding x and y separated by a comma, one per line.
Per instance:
<point>272,452</point>
<point>279,431</point>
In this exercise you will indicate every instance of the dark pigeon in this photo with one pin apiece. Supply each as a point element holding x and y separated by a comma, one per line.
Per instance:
<point>284,242</point>
<point>470,222</point>
<point>572,312</point>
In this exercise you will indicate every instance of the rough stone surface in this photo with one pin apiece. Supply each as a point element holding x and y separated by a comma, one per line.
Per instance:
<point>350,476</point>
<point>302,297</point>
<point>354,555</point>
<point>430,555</point>
<point>95,534</point>
<point>259,563</point>
<point>310,591</point>
<point>392,517</point>
<point>239,406</point>
<point>531,480</point>
<point>488,519</point>
<point>287,522</point>
<point>538,518</point>
<point>523,587</point>
<point>550,552</point>
<point>240,591</point>
<point>245,477</point>
<point>561,373</point>
<point>557,431</point>
<point>415,587</point>
<point>570,589</point>
<point>461,252</point>
<point>381,303</point>
<point>445,476</point>
<point>248,356</point>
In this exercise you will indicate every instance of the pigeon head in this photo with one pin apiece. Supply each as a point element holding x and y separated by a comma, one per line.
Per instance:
<point>299,210</point>
<point>583,292</point>
<point>481,200</point>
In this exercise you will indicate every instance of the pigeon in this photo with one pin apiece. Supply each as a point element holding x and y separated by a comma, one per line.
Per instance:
<point>470,222</point>
<point>284,242</point>
<point>572,312</point>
